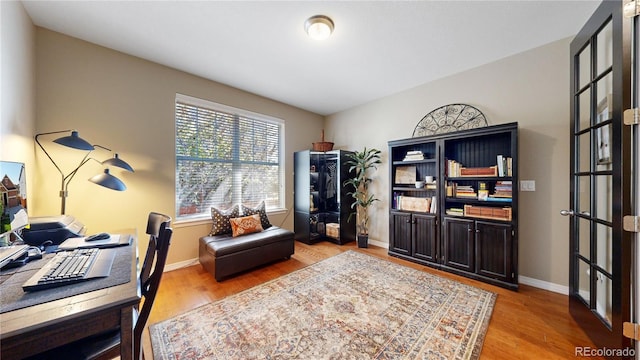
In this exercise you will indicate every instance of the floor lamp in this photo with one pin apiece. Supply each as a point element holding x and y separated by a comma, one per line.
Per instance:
<point>74,141</point>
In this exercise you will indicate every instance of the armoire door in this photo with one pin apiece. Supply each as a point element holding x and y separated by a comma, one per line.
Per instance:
<point>600,250</point>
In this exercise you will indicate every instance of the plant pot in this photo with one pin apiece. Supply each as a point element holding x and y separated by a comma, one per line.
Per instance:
<point>363,241</point>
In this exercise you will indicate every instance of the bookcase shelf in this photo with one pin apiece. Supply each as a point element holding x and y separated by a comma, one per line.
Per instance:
<point>473,235</point>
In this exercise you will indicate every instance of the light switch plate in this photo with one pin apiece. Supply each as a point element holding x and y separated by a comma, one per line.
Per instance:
<point>527,185</point>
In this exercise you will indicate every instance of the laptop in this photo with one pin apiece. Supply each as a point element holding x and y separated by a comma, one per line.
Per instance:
<point>10,253</point>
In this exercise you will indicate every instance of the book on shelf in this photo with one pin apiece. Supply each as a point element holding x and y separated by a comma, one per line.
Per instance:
<point>464,191</point>
<point>498,199</point>
<point>503,189</point>
<point>413,155</point>
<point>505,165</point>
<point>483,194</point>
<point>455,211</point>
<point>433,208</point>
<point>453,168</point>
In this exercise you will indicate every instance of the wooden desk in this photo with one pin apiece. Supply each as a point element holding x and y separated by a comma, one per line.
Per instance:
<point>34,329</point>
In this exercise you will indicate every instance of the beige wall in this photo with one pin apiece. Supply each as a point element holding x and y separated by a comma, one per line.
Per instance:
<point>17,99</point>
<point>127,104</point>
<point>531,88</point>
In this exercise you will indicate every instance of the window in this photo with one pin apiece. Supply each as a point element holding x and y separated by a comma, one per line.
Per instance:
<point>226,156</point>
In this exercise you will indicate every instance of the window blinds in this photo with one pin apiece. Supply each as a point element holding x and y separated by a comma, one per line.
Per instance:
<point>225,157</point>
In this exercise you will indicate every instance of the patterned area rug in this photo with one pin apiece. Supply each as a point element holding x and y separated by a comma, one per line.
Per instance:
<point>350,306</point>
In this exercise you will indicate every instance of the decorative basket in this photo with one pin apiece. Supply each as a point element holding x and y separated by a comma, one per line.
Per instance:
<point>322,145</point>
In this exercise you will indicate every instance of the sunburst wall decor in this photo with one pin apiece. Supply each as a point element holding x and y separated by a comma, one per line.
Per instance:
<point>448,118</point>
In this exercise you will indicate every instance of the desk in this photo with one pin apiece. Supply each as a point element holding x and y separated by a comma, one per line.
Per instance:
<point>34,329</point>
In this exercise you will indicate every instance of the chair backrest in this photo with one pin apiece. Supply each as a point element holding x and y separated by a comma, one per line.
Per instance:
<point>159,231</point>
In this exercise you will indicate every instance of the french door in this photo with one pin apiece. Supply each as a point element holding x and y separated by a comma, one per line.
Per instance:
<point>600,250</point>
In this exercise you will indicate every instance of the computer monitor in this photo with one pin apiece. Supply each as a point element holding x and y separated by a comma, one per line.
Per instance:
<point>13,197</point>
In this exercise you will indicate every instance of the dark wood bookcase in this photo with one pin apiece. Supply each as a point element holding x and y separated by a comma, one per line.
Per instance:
<point>466,221</point>
<point>321,203</point>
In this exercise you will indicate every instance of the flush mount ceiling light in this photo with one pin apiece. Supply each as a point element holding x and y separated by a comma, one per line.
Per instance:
<point>319,27</point>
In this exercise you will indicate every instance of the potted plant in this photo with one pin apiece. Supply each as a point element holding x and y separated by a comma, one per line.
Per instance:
<point>361,164</point>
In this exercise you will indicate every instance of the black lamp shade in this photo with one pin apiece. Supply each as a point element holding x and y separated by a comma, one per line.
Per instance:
<point>109,181</point>
<point>74,141</point>
<point>116,161</point>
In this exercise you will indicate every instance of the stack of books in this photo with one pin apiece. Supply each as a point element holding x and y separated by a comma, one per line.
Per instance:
<point>414,155</point>
<point>455,211</point>
<point>465,191</point>
<point>503,192</point>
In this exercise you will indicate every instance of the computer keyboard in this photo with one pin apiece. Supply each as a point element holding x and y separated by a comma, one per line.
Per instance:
<point>70,267</point>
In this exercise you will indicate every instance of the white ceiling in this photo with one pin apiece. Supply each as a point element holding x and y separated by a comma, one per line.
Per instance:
<point>378,48</point>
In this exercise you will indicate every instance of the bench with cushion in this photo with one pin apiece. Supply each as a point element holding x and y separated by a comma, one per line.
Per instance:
<point>238,243</point>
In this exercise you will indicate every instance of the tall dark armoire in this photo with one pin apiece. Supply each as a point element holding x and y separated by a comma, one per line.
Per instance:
<point>321,203</point>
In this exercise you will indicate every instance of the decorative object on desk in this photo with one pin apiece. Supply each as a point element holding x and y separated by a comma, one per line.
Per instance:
<point>362,162</point>
<point>322,145</point>
<point>326,311</point>
<point>74,141</point>
<point>449,118</point>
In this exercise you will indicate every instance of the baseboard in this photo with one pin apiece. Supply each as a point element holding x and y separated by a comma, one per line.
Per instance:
<point>180,265</point>
<point>545,285</point>
<point>379,243</point>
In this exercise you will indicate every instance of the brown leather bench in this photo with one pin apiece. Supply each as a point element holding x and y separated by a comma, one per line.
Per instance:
<point>224,255</point>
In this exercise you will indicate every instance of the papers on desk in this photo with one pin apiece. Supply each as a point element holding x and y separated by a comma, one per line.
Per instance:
<point>80,243</point>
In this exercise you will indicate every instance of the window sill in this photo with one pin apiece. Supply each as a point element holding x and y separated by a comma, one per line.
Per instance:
<point>202,219</point>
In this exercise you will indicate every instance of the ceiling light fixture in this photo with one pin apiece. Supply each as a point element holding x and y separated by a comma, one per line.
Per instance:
<point>319,27</point>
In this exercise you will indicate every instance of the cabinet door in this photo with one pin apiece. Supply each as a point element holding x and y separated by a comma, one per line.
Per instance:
<point>424,237</point>
<point>400,233</point>
<point>493,250</point>
<point>458,243</point>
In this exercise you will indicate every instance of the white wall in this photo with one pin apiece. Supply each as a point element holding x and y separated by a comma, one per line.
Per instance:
<point>17,97</point>
<point>531,88</point>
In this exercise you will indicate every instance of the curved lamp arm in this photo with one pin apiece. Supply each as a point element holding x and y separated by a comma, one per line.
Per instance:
<point>74,141</point>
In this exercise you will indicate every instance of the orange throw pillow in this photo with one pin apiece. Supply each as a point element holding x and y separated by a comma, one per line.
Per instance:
<point>245,225</point>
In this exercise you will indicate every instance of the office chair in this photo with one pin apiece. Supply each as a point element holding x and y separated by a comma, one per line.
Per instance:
<point>107,345</point>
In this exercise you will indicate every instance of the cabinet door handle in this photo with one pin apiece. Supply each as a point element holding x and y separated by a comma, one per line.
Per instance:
<point>477,231</point>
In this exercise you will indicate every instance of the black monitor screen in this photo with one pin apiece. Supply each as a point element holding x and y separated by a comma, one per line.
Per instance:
<point>13,197</point>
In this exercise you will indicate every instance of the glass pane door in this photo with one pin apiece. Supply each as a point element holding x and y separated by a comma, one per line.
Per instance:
<point>599,283</point>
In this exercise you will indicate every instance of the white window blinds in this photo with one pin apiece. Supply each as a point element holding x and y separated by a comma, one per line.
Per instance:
<point>225,156</point>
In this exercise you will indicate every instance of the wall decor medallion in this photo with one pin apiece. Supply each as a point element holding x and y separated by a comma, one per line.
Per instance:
<point>449,118</point>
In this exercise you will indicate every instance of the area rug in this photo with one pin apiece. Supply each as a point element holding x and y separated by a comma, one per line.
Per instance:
<point>349,306</point>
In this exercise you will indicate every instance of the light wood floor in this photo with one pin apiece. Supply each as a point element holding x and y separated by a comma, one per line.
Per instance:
<point>527,324</point>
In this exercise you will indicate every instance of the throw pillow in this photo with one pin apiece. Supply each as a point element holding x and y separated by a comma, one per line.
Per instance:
<point>260,210</point>
<point>221,218</point>
<point>245,225</point>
